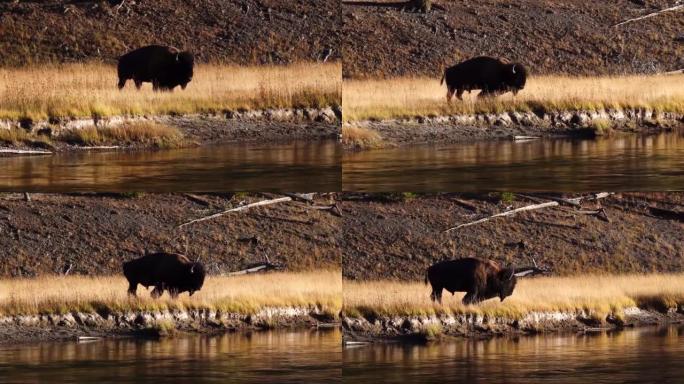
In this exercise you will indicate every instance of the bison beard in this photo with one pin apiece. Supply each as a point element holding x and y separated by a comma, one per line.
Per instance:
<point>165,67</point>
<point>490,75</point>
<point>480,279</point>
<point>164,271</point>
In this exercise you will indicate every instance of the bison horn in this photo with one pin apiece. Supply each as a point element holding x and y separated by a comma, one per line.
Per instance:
<point>178,59</point>
<point>514,69</point>
<point>512,274</point>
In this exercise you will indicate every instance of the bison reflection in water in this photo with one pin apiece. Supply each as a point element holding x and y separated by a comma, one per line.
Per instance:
<point>164,271</point>
<point>165,67</point>
<point>480,279</point>
<point>490,75</point>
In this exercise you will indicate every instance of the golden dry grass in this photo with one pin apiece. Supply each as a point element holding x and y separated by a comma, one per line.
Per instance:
<point>359,137</point>
<point>410,97</point>
<point>140,132</point>
<point>82,90</point>
<point>241,294</point>
<point>599,294</point>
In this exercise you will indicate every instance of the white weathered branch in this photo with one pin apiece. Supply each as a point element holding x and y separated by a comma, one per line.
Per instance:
<point>507,213</point>
<point>24,151</point>
<point>676,7</point>
<point>238,209</point>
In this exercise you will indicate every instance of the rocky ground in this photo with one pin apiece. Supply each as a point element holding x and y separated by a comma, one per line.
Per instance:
<point>95,233</point>
<point>238,31</point>
<point>397,236</point>
<point>430,328</point>
<point>548,36</point>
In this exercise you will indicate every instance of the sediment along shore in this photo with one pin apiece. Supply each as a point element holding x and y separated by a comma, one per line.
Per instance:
<point>59,307</point>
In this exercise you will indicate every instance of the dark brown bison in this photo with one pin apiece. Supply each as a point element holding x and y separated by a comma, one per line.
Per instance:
<point>164,271</point>
<point>165,67</point>
<point>480,279</point>
<point>490,75</point>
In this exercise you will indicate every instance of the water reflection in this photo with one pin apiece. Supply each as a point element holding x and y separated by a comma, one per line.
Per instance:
<point>300,166</point>
<point>619,163</point>
<point>274,356</point>
<point>644,355</point>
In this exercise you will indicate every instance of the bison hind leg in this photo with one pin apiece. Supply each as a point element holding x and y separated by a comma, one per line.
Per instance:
<point>459,94</point>
<point>122,83</point>
<point>470,298</point>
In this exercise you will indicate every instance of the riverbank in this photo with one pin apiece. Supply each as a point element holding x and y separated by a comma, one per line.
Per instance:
<point>385,310</point>
<point>52,107</point>
<point>413,110</point>
<point>55,308</point>
<point>165,132</point>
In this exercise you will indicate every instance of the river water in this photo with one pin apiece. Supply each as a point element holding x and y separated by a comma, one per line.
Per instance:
<point>306,166</point>
<point>646,355</point>
<point>278,356</point>
<point>617,163</point>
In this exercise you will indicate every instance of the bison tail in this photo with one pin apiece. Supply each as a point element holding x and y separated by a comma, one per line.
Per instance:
<point>443,76</point>
<point>426,277</point>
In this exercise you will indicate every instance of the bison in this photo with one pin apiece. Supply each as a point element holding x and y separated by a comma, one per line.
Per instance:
<point>490,75</point>
<point>165,67</point>
<point>164,271</point>
<point>480,279</point>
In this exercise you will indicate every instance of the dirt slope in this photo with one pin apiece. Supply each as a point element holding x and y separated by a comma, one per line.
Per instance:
<point>398,240</point>
<point>96,233</point>
<point>236,31</point>
<point>549,36</point>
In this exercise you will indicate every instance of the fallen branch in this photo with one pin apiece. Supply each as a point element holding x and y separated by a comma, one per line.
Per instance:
<point>238,209</point>
<point>676,7</point>
<point>24,151</point>
<point>198,199</point>
<point>507,213</point>
<point>333,209</point>
<point>667,214</point>
<point>305,197</point>
<point>259,267</point>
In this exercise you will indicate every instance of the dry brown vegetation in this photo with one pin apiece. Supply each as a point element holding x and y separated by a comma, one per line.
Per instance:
<point>596,294</point>
<point>240,294</point>
<point>424,96</point>
<point>85,90</point>
<point>131,133</point>
<point>360,138</point>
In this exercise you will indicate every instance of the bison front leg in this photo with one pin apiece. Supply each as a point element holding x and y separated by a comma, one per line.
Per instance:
<point>122,83</point>
<point>450,94</point>
<point>459,94</point>
<point>132,288</point>
<point>470,298</point>
<point>436,295</point>
<point>138,84</point>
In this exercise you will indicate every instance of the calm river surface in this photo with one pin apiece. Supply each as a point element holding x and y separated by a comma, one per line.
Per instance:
<point>646,355</point>
<point>296,166</point>
<point>618,163</point>
<point>279,357</point>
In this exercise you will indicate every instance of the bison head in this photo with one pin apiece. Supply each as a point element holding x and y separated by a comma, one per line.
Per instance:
<point>516,77</point>
<point>507,280</point>
<point>184,65</point>
<point>195,278</point>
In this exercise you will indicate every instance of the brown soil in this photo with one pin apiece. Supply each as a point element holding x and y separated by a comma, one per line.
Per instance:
<point>398,236</point>
<point>237,31</point>
<point>549,36</point>
<point>96,233</point>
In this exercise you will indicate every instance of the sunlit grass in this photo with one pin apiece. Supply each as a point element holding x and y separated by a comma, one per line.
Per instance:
<point>599,294</point>
<point>359,137</point>
<point>241,294</point>
<point>422,96</point>
<point>143,133</point>
<point>85,90</point>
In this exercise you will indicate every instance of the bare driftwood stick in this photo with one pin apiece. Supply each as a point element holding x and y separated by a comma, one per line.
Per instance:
<point>24,151</point>
<point>572,202</point>
<point>258,267</point>
<point>507,213</point>
<point>334,209</point>
<point>27,197</point>
<point>305,197</point>
<point>465,204</point>
<point>676,7</point>
<point>238,209</point>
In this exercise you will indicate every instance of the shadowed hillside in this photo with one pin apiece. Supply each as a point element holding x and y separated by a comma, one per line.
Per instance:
<point>567,36</point>
<point>237,31</point>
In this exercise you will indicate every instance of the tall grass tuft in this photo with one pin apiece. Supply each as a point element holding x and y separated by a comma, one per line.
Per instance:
<point>421,96</point>
<point>89,89</point>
